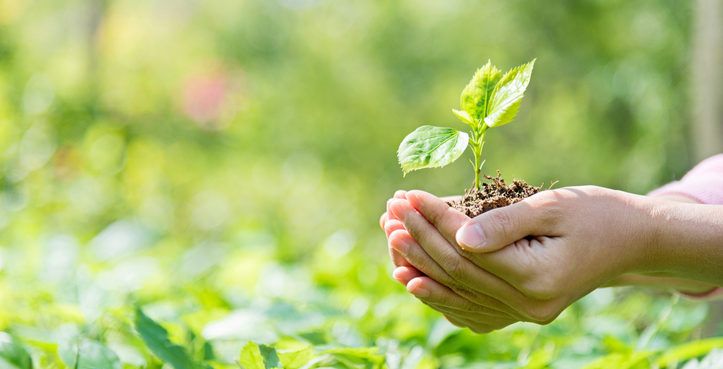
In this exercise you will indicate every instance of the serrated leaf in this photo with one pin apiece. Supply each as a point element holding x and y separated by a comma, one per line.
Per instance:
<point>430,147</point>
<point>507,94</point>
<point>87,354</point>
<point>156,338</point>
<point>476,95</point>
<point>12,354</point>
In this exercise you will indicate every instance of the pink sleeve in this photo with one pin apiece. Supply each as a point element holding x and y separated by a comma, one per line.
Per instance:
<point>703,183</point>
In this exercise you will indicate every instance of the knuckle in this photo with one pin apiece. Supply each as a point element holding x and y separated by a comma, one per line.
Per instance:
<point>542,314</point>
<point>548,207</point>
<point>540,287</point>
<point>501,222</point>
<point>468,296</point>
<point>454,321</point>
<point>454,267</point>
<point>480,329</point>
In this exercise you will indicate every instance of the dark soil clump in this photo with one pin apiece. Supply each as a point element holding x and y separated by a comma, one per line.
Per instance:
<point>493,194</point>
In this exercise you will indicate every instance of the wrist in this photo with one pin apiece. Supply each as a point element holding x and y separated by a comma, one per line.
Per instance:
<point>634,234</point>
<point>686,240</point>
<point>642,245</point>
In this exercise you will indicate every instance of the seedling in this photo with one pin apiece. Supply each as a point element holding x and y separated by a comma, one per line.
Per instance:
<point>489,100</point>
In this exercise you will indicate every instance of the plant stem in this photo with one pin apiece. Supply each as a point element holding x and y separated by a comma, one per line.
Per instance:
<point>478,141</point>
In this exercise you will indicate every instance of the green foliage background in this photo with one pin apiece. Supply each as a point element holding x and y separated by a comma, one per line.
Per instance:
<point>223,165</point>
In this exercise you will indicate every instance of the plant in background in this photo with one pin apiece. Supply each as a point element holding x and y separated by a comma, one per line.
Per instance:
<point>491,99</point>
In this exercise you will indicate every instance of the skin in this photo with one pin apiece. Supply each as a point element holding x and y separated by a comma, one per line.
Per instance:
<point>542,254</point>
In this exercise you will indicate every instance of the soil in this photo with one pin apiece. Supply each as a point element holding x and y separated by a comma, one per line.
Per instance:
<point>493,194</point>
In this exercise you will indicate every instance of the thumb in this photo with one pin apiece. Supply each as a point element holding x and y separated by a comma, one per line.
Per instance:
<point>500,227</point>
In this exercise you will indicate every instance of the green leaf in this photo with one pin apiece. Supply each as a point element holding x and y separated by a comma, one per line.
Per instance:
<point>539,359</point>
<point>507,94</point>
<point>464,116</point>
<point>355,357</point>
<point>156,338</point>
<point>255,356</point>
<point>271,359</point>
<point>294,359</point>
<point>12,354</point>
<point>87,354</point>
<point>689,350</point>
<point>250,357</point>
<point>476,95</point>
<point>637,360</point>
<point>430,147</point>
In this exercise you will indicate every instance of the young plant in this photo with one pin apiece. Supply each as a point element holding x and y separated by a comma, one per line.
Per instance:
<point>489,100</point>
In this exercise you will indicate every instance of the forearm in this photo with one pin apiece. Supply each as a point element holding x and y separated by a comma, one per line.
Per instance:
<point>686,241</point>
<point>662,280</point>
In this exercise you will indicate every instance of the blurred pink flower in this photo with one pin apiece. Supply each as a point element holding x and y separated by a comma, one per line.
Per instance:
<point>203,98</point>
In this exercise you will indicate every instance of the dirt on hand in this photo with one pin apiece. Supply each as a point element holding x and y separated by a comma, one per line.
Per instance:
<point>493,194</point>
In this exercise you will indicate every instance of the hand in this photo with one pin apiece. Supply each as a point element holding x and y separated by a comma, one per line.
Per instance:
<point>553,257</point>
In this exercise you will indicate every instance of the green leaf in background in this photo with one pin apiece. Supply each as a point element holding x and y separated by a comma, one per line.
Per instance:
<point>711,361</point>
<point>156,338</point>
<point>250,357</point>
<point>87,354</point>
<point>476,95</point>
<point>638,360</point>
<point>351,356</point>
<point>539,359</point>
<point>291,359</point>
<point>12,354</point>
<point>271,359</point>
<point>506,96</point>
<point>430,147</point>
<point>689,350</point>
<point>255,356</point>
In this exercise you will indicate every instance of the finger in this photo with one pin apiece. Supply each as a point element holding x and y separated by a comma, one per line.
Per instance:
<point>403,243</point>
<point>475,322</point>
<point>390,214</point>
<point>397,259</point>
<point>399,194</point>
<point>462,271</point>
<point>404,274</point>
<point>383,220</point>
<point>455,321</point>
<point>392,225</point>
<point>476,327</point>
<point>450,198</point>
<point>442,216</point>
<point>433,293</point>
<point>500,227</point>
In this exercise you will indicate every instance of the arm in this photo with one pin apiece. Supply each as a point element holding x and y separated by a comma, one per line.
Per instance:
<point>701,185</point>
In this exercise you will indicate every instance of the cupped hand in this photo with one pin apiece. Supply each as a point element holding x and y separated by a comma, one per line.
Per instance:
<point>524,262</point>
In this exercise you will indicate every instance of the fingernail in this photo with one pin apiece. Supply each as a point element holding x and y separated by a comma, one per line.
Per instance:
<point>471,236</point>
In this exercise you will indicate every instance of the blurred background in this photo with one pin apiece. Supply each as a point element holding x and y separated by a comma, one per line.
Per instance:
<point>224,164</point>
